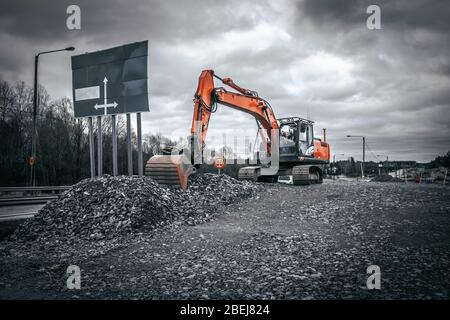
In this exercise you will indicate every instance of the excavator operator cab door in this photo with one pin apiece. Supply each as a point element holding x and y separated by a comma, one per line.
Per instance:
<point>288,140</point>
<point>305,140</point>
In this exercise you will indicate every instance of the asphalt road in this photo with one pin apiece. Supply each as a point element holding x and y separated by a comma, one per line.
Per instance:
<point>311,242</point>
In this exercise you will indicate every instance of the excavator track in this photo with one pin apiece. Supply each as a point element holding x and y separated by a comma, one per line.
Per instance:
<point>249,173</point>
<point>254,174</point>
<point>306,175</point>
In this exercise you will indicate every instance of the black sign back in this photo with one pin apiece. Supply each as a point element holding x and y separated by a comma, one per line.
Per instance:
<point>120,72</point>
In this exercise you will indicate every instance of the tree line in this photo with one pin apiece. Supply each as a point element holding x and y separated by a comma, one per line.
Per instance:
<point>441,161</point>
<point>62,140</point>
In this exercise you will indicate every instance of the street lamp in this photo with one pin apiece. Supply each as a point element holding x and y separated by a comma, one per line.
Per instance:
<point>364,152</point>
<point>32,159</point>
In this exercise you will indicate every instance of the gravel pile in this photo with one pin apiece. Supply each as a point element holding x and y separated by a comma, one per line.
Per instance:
<point>104,208</point>
<point>385,178</point>
<point>308,242</point>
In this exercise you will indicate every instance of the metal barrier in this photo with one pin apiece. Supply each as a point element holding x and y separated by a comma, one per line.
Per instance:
<point>33,189</point>
<point>12,196</point>
<point>25,200</point>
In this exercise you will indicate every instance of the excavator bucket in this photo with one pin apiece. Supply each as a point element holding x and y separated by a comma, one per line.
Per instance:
<point>169,170</point>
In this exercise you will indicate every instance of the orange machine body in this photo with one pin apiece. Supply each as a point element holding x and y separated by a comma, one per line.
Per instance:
<point>321,150</point>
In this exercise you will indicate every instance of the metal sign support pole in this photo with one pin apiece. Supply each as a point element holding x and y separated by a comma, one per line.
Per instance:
<point>364,156</point>
<point>91,147</point>
<point>129,149</point>
<point>362,170</point>
<point>139,142</point>
<point>100,146</point>
<point>114,144</point>
<point>34,133</point>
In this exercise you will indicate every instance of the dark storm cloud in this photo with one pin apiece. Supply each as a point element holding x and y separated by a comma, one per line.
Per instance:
<point>308,58</point>
<point>418,29</point>
<point>46,19</point>
<point>399,14</point>
<point>400,84</point>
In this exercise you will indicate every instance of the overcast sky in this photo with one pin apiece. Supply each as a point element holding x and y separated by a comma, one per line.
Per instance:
<point>309,58</point>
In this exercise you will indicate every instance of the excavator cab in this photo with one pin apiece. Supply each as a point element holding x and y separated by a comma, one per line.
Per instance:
<point>288,141</point>
<point>296,138</point>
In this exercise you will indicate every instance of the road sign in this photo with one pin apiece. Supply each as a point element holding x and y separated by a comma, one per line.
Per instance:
<point>111,81</point>
<point>31,161</point>
<point>219,163</point>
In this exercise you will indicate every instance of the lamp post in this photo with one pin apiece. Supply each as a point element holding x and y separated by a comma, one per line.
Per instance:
<point>32,159</point>
<point>364,152</point>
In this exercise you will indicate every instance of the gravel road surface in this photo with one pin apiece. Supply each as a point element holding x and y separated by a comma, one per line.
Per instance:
<point>290,242</point>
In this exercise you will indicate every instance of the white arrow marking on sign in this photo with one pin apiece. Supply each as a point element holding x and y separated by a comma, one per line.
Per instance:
<point>105,105</point>
<point>108,105</point>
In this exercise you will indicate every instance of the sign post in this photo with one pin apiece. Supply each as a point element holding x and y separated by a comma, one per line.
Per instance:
<point>91,147</point>
<point>99,147</point>
<point>111,82</point>
<point>114,144</point>
<point>139,146</point>
<point>129,149</point>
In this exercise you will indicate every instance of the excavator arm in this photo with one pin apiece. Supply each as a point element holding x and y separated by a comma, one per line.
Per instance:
<point>173,169</point>
<point>207,96</point>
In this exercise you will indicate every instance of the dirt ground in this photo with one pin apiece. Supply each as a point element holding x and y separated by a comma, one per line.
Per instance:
<point>309,242</point>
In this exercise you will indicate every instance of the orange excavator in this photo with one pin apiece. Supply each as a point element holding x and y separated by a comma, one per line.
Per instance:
<point>289,144</point>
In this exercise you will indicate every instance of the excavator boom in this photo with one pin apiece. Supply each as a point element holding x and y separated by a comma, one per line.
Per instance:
<point>207,95</point>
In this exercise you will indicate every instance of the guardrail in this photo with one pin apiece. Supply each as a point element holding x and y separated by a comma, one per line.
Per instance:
<point>13,196</point>
<point>25,200</point>
<point>42,189</point>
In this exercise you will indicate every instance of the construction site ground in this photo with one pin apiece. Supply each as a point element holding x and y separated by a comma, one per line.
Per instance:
<point>291,242</point>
